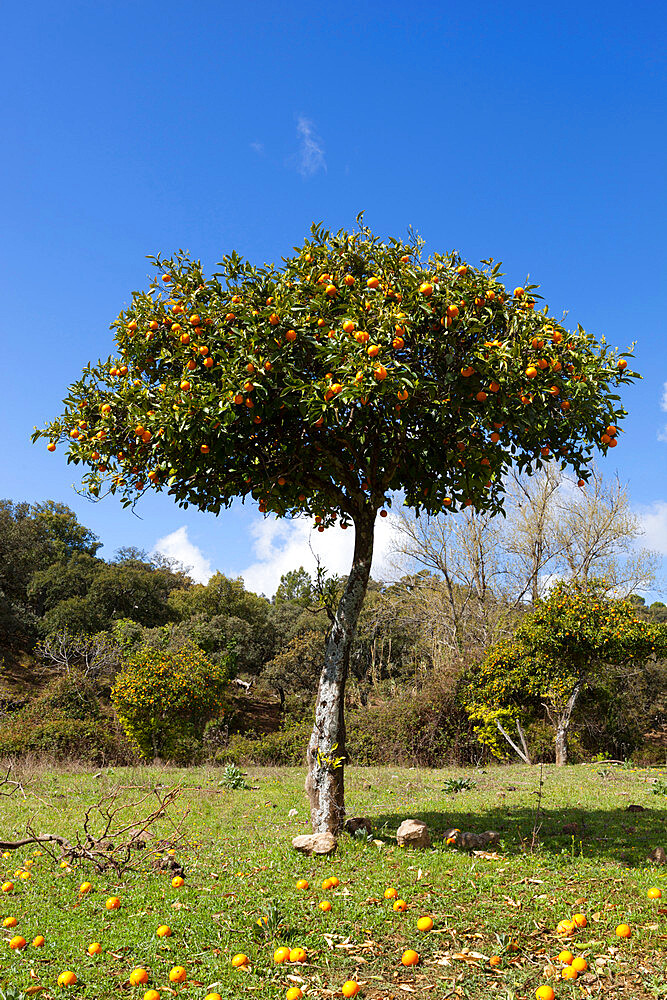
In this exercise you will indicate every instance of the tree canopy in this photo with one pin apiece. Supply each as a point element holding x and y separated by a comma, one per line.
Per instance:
<point>353,370</point>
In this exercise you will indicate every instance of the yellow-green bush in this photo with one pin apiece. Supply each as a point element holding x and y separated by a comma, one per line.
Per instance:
<point>164,697</point>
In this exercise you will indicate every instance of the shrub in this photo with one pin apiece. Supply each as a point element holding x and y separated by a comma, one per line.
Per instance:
<point>165,697</point>
<point>96,742</point>
<point>287,747</point>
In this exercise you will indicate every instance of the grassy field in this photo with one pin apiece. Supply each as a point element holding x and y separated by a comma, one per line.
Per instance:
<point>239,867</point>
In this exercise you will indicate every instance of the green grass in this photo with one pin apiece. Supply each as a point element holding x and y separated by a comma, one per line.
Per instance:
<point>239,866</point>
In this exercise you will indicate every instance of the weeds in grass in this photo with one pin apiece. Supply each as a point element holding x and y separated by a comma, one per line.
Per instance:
<point>233,777</point>
<point>659,787</point>
<point>454,785</point>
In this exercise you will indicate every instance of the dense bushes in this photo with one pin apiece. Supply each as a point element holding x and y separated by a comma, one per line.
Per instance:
<point>65,722</point>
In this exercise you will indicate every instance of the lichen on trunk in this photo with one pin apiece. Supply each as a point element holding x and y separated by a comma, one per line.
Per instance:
<point>325,782</point>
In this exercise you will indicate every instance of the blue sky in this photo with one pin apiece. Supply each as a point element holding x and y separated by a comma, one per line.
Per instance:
<point>534,137</point>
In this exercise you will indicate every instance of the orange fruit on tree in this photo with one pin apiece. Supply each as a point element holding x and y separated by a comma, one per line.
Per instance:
<point>281,955</point>
<point>294,993</point>
<point>348,326</point>
<point>17,943</point>
<point>580,964</point>
<point>425,924</point>
<point>348,280</point>
<point>290,335</point>
<point>39,941</point>
<point>112,903</point>
<point>177,974</point>
<point>545,993</point>
<point>531,371</point>
<point>481,396</point>
<point>373,351</point>
<point>95,948</point>
<point>410,957</point>
<point>350,988</point>
<point>163,931</point>
<point>67,978</point>
<point>452,311</point>
<point>240,960</point>
<point>380,373</point>
<point>373,283</point>
<point>426,288</point>
<point>138,977</point>
<point>622,365</point>
<point>50,446</point>
<point>518,292</point>
<point>654,893</point>
<point>623,931</point>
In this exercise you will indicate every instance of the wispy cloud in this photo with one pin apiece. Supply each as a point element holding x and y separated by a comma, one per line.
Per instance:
<point>310,158</point>
<point>178,546</point>
<point>653,518</point>
<point>257,147</point>
<point>662,435</point>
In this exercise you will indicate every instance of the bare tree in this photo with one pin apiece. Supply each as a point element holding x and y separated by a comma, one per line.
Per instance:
<point>596,531</point>
<point>91,655</point>
<point>530,541</point>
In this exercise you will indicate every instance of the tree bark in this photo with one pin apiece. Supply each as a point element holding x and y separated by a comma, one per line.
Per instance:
<point>325,782</point>
<point>562,725</point>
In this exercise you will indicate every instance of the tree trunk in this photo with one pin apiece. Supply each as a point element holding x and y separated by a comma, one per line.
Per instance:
<point>562,725</point>
<point>326,751</point>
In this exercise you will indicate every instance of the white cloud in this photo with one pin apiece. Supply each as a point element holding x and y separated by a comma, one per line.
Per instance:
<point>283,545</point>
<point>311,151</point>
<point>654,522</point>
<point>178,546</point>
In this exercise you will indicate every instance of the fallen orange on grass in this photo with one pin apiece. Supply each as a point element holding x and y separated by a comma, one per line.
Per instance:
<point>410,957</point>
<point>391,893</point>
<point>85,887</point>
<point>325,905</point>
<point>424,924</point>
<point>95,948</point>
<point>654,893</point>
<point>569,972</point>
<point>177,882</point>
<point>17,943</point>
<point>177,974</point>
<point>579,919</point>
<point>298,955</point>
<point>281,955</point>
<point>9,922</point>
<point>545,993</point>
<point>38,942</point>
<point>565,928</point>
<point>623,931</point>
<point>580,964</point>
<point>294,993</point>
<point>350,988</point>
<point>400,905</point>
<point>7,886</point>
<point>138,977</point>
<point>213,996</point>
<point>151,995</point>
<point>302,884</point>
<point>67,978</point>
<point>240,960</point>
<point>566,957</point>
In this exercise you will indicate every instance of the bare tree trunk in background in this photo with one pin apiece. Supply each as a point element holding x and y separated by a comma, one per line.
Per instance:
<point>325,782</point>
<point>561,719</point>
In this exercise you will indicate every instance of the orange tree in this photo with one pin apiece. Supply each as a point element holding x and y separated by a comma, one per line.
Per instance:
<point>355,369</point>
<point>560,647</point>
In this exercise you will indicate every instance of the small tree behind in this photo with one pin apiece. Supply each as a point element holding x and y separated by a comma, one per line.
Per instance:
<point>557,651</point>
